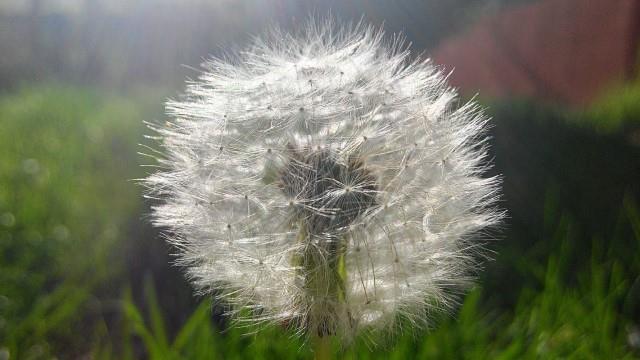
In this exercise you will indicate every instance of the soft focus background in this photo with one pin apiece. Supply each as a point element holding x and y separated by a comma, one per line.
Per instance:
<point>83,275</point>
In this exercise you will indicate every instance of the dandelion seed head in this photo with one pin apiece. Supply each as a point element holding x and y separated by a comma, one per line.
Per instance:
<point>326,181</point>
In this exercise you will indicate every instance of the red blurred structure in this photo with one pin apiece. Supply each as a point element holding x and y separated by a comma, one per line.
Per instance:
<point>564,51</point>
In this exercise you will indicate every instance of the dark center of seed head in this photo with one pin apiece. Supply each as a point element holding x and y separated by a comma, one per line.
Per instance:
<point>330,194</point>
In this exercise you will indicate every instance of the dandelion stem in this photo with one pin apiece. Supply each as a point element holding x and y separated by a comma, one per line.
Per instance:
<point>322,262</point>
<point>322,347</point>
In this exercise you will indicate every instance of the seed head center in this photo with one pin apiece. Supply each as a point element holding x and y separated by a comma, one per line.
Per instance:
<point>330,192</point>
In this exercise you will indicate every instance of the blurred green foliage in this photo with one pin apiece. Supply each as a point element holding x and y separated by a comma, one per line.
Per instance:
<point>74,263</point>
<point>584,321</point>
<point>66,201</point>
<point>617,111</point>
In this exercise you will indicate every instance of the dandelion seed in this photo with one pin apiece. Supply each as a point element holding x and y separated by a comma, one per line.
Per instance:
<point>334,208</point>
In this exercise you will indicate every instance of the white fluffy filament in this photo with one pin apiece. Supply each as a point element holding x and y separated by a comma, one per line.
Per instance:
<point>325,181</point>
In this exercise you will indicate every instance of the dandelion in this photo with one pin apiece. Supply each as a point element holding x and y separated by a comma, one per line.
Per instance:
<point>327,182</point>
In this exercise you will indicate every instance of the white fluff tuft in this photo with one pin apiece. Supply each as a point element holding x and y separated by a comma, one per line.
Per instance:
<point>326,182</point>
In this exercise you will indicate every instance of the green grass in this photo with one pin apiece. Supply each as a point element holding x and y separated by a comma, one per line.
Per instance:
<point>617,110</point>
<point>66,201</point>
<point>583,321</point>
<point>69,210</point>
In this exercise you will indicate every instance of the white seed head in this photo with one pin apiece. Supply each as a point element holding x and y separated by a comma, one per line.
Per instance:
<point>324,181</point>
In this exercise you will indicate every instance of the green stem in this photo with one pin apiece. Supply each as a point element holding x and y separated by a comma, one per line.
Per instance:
<point>322,348</point>
<point>325,275</point>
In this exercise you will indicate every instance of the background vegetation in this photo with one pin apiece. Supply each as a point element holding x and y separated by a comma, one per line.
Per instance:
<point>83,275</point>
